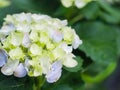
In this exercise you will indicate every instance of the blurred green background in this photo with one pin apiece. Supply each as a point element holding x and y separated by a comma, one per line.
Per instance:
<point>97,24</point>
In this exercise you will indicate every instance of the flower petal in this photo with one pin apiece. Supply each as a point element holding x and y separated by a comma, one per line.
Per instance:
<point>55,73</point>
<point>16,53</point>
<point>7,29</point>
<point>26,40</point>
<point>20,71</point>
<point>53,76</point>
<point>9,67</point>
<point>35,49</point>
<point>76,42</point>
<point>57,36</point>
<point>66,48</point>
<point>68,60</point>
<point>56,65</point>
<point>45,64</point>
<point>80,3</point>
<point>3,57</point>
<point>67,3</point>
<point>16,38</point>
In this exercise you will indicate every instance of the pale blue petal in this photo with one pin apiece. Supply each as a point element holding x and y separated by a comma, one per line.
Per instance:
<point>26,40</point>
<point>56,65</point>
<point>57,36</point>
<point>20,71</point>
<point>3,57</point>
<point>55,73</point>
<point>53,76</point>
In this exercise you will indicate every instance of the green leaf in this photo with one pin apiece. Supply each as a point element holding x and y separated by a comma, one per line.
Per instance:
<point>91,10</point>
<point>100,44</point>
<point>13,83</point>
<point>38,6</point>
<point>108,18</point>
<point>109,9</point>
<point>98,41</point>
<point>63,87</point>
<point>76,68</point>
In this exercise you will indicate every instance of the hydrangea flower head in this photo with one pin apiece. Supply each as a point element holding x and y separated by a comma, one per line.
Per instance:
<point>36,45</point>
<point>77,3</point>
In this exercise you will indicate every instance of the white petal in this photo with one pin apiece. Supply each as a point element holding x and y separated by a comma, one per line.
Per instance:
<point>57,36</point>
<point>22,17</point>
<point>26,64</point>
<point>64,22</point>
<point>20,71</point>
<point>80,3</point>
<point>37,17</point>
<point>45,64</point>
<point>55,73</point>
<point>7,29</point>
<point>3,57</point>
<point>9,67</point>
<point>26,40</point>
<point>23,27</point>
<point>67,3</point>
<point>76,42</point>
<point>66,48</point>
<point>69,61</point>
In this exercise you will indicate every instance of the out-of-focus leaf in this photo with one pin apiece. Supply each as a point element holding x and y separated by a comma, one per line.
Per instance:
<point>118,42</point>
<point>108,18</point>
<point>109,9</point>
<point>66,13</point>
<point>63,87</point>
<point>38,6</point>
<point>13,83</point>
<point>91,10</point>
<point>99,43</point>
<point>78,67</point>
<point>8,10</point>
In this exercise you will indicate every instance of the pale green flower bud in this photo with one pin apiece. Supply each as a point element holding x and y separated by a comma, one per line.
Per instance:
<point>35,49</point>
<point>45,64</point>
<point>16,38</point>
<point>35,67</point>
<point>68,34</point>
<point>58,53</point>
<point>16,53</point>
<point>34,36</point>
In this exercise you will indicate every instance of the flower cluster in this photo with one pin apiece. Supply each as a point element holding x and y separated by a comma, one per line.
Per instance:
<point>77,3</point>
<point>36,45</point>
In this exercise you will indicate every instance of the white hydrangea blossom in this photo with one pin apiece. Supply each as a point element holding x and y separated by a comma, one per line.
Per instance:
<point>35,45</point>
<point>77,3</point>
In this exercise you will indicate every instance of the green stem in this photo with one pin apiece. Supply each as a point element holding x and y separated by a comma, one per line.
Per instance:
<point>101,76</point>
<point>38,83</point>
<point>76,18</point>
